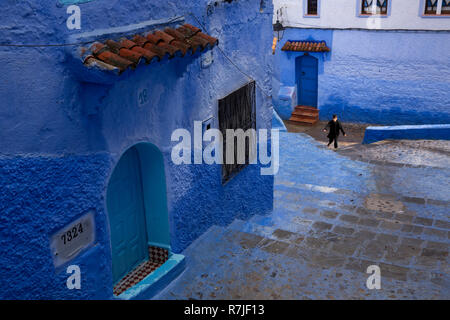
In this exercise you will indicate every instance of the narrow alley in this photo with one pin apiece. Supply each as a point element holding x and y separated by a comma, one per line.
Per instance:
<point>334,215</point>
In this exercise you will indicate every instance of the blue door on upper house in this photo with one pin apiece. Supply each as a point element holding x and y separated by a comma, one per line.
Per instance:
<point>126,213</point>
<point>307,74</point>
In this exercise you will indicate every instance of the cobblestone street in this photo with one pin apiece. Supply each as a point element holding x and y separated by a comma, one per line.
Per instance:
<point>335,214</point>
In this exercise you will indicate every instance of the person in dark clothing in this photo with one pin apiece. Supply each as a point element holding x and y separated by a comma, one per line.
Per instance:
<point>335,126</point>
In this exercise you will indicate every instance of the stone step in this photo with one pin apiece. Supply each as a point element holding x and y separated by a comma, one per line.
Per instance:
<point>305,113</point>
<point>303,119</point>
<point>311,109</point>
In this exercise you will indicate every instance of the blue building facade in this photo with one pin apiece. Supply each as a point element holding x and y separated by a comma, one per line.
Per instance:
<point>72,136</point>
<point>387,69</point>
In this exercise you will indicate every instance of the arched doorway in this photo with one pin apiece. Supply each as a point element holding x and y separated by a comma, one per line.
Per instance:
<point>137,210</point>
<point>306,74</point>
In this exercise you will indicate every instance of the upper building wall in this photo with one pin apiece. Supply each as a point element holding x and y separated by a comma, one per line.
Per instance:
<point>43,88</point>
<point>340,14</point>
<point>64,126</point>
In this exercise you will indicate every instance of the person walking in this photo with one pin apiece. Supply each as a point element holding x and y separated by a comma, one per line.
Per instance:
<point>335,127</point>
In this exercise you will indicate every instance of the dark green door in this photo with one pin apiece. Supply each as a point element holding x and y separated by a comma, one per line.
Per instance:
<point>127,215</point>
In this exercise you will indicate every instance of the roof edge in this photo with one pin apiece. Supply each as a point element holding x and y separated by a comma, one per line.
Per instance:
<point>118,32</point>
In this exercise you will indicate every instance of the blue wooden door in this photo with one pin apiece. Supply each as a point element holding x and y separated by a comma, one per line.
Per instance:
<point>307,74</point>
<point>127,216</point>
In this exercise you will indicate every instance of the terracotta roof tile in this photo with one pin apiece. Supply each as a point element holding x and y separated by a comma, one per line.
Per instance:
<point>194,29</point>
<point>103,53</point>
<point>187,31</point>
<point>162,36</point>
<point>185,48</point>
<point>147,54</point>
<point>146,44</point>
<point>155,46</point>
<point>175,33</point>
<point>306,46</point>
<point>117,48</point>
<point>212,41</point>
<point>153,39</point>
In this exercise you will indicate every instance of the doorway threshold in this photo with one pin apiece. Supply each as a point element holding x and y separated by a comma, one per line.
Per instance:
<point>149,278</point>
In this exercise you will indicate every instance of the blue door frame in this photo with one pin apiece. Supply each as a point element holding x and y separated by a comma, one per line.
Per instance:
<point>306,73</point>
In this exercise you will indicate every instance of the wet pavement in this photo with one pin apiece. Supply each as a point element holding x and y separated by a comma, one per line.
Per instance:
<point>355,131</point>
<point>335,214</point>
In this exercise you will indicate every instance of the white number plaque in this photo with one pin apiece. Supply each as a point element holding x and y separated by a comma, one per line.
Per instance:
<point>67,243</point>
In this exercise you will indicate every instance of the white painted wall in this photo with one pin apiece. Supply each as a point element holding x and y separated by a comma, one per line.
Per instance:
<point>404,14</point>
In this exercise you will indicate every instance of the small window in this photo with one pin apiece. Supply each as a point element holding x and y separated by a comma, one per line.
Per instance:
<point>374,7</point>
<point>436,7</point>
<point>237,111</point>
<point>431,6</point>
<point>366,6</point>
<point>312,7</point>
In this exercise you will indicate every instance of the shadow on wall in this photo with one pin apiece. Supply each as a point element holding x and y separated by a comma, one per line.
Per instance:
<point>386,116</point>
<point>208,202</point>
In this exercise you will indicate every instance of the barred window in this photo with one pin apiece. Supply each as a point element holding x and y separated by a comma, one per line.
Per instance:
<point>312,7</point>
<point>374,7</point>
<point>431,6</point>
<point>437,7</point>
<point>445,7</point>
<point>237,111</point>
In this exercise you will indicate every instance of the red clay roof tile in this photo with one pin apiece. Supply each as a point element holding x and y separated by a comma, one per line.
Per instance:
<point>92,62</point>
<point>187,32</point>
<point>117,48</point>
<point>204,43</point>
<point>146,44</point>
<point>211,40</point>
<point>148,55</point>
<point>162,36</point>
<point>127,53</point>
<point>306,46</point>
<point>185,48</point>
<point>171,49</point>
<point>194,29</point>
<point>175,33</point>
<point>153,39</point>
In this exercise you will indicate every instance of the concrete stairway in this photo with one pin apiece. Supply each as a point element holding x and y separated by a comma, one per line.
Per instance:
<point>305,114</point>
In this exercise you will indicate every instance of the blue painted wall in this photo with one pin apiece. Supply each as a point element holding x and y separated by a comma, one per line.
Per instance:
<point>376,76</point>
<point>39,195</point>
<point>63,129</point>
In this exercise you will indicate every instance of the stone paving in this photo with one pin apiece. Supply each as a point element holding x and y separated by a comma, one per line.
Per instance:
<point>335,214</point>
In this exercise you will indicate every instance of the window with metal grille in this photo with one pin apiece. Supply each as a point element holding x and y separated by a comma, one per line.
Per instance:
<point>373,7</point>
<point>431,6</point>
<point>445,7</point>
<point>437,7</point>
<point>312,7</point>
<point>237,111</point>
